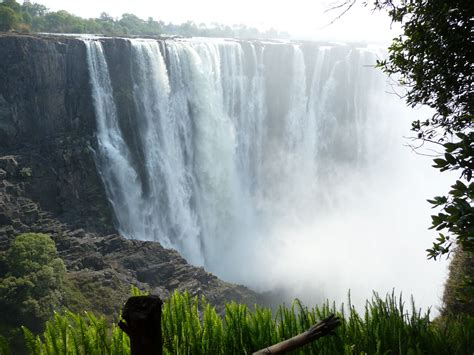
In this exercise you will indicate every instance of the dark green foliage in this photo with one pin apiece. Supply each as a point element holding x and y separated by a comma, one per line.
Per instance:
<point>433,60</point>
<point>31,283</point>
<point>12,4</point>
<point>457,209</point>
<point>191,326</point>
<point>8,18</point>
<point>4,346</point>
<point>61,21</point>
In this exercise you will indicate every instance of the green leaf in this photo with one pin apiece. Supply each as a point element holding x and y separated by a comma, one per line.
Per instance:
<point>450,159</point>
<point>439,163</point>
<point>450,147</point>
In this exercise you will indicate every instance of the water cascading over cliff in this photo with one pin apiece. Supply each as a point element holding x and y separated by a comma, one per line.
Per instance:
<point>257,160</point>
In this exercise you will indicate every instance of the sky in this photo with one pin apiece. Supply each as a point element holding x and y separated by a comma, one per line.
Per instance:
<point>304,19</point>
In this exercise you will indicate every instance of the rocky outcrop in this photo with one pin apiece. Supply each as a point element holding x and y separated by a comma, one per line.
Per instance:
<point>102,267</point>
<point>49,182</point>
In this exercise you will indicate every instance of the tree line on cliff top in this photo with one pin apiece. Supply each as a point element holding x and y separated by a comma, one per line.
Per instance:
<point>34,17</point>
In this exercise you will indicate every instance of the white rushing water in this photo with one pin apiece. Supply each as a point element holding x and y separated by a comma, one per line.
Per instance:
<point>279,166</point>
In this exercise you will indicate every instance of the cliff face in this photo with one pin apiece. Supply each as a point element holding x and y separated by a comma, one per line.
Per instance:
<point>47,121</point>
<point>49,182</point>
<point>45,91</point>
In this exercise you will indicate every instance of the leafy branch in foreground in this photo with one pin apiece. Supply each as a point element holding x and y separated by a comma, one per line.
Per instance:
<point>432,60</point>
<point>457,215</point>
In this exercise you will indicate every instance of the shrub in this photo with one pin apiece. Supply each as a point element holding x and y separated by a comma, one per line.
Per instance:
<point>30,289</point>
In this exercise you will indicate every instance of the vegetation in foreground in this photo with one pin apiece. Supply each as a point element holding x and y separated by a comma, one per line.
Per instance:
<point>192,326</point>
<point>33,283</point>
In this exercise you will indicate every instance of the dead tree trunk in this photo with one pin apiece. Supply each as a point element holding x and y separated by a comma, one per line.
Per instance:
<point>142,323</point>
<point>323,328</point>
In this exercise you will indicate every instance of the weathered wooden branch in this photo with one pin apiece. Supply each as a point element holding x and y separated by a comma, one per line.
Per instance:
<point>323,328</point>
<point>142,323</point>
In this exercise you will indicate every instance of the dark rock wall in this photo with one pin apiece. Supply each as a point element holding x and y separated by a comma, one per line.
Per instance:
<point>47,122</point>
<point>44,90</point>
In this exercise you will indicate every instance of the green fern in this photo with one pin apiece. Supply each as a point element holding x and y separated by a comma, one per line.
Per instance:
<point>192,326</point>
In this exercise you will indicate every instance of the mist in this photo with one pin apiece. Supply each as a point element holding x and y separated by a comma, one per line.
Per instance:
<point>359,229</point>
<point>372,240</point>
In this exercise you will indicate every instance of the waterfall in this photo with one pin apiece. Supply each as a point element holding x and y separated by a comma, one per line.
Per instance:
<point>238,153</point>
<point>121,181</point>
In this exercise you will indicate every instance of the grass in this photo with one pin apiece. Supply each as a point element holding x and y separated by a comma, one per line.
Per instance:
<point>192,326</point>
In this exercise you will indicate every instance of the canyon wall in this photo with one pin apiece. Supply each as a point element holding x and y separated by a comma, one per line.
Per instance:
<point>49,182</point>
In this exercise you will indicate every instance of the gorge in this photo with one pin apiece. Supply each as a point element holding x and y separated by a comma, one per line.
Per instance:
<point>278,165</point>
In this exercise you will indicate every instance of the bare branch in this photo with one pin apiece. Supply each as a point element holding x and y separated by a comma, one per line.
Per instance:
<point>335,5</point>
<point>347,5</point>
<point>415,150</point>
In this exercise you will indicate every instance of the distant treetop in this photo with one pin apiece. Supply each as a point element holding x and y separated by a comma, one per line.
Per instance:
<point>34,17</point>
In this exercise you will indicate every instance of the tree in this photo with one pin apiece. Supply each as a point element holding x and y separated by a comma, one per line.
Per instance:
<point>12,4</point>
<point>62,21</point>
<point>8,18</point>
<point>34,10</point>
<point>30,289</point>
<point>131,23</point>
<point>432,59</point>
<point>105,17</point>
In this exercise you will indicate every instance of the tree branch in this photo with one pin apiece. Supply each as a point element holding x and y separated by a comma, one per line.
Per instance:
<point>347,5</point>
<point>323,328</point>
